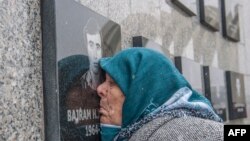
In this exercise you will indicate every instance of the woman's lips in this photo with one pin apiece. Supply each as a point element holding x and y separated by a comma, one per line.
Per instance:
<point>103,111</point>
<point>102,104</point>
<point>101,108</point>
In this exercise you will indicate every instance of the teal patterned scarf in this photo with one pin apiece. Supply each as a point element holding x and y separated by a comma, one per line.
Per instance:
<point>153,87</point>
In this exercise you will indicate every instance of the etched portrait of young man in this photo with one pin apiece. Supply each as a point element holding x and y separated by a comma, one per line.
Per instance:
<point>80,75</point>
<point>82,38</point>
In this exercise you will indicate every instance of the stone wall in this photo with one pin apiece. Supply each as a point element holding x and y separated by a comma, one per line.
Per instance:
<point>21,102</point>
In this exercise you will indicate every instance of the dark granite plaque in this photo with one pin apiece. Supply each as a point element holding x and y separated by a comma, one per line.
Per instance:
<point>192,71</point>
<point>209,14</point>
<point>188,6</point>
<point>215,89</point>
<point>74,39</point>
<point>236,95</point>
<point>140,41</point>
<point>230,19</point>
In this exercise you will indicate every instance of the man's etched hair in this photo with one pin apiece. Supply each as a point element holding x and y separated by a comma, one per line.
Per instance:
<point>91,27</point>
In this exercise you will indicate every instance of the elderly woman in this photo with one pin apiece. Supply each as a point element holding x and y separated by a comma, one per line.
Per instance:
<point>144,97</point>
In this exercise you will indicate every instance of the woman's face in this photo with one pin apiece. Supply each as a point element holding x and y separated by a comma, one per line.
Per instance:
<point>111,102</point>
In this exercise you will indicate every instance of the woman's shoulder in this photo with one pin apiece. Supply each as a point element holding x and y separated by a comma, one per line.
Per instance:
<point>184,128</point>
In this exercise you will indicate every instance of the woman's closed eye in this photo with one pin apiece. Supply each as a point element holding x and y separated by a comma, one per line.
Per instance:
<point>111,83</point>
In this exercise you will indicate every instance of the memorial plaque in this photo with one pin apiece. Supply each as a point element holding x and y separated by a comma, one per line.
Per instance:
<point>140,41</point>
<point>215,89</point>
<point>209,14</point>
<point>230,19</point>
<point>188,6</point>
<point>74,39</point>
<point>236,95</point>
<point>192,71</point>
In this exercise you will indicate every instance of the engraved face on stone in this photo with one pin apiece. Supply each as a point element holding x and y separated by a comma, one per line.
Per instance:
<point>94,51</point>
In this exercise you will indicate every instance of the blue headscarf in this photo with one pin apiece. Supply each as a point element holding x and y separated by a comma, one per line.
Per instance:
<point>153,87</point>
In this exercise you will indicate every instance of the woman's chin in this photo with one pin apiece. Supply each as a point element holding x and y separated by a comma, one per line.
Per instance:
<point>104,120</point>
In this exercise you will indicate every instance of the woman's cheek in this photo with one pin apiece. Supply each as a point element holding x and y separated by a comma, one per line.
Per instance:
<point>111,111</point>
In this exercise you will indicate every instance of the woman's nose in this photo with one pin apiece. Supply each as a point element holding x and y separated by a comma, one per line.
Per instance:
<point>101,90</point>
